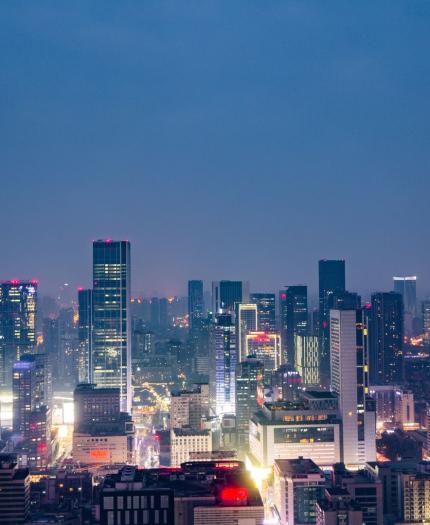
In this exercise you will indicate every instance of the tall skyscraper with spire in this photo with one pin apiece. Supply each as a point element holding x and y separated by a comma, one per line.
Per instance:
<point>111,343</point>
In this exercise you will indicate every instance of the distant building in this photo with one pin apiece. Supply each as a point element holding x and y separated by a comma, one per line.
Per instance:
<point>249,376</point>
<point>286,430</point>
<point>111,343</point>
<point>18,304</point>
<point>395,407</point>
<point>14,491</point>
<point>187,407</point>
<point>266,307</point>
<point>331,280</point>
<point>195,305</point>
<point>293,304</point>
<point>246,322</point>
<point>407,288</point>
<point>298,485</point>
<point>287,383</point>
<point>184,441</point>
<point>266,348</point>
<point>85,334</point>
<point>225,294</point>
<point>386,339</point>
<point>307,359</point>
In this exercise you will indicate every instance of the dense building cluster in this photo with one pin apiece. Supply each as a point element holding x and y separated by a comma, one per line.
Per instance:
<point>228,406</point>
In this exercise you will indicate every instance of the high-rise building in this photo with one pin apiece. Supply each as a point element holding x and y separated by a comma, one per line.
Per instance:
<point>249,377</point>
<point>426,318</point>
<point>187,407</point>
<point>395,407</point>
<point>349,379</point>
<point>407,288</point>
<point>307,359</point>
<point>31,412</point>
<point>266,308</point>
<point>225,294</point>
<point>246,322</point>
<point>222,369</point>
<point>85,333</point>
<point>338,508</point>
<point>415,497</point>
<point>195,305</point>
<point>18,303</point>
<point>68,350</point>
<point>298,485</point>
<point>185,441</point>
<point>331,275</point>
<point>266,348</point>
<point>293,304</point>
<point>14,491</point>
<point>386,339</point>
<point>111,355</point>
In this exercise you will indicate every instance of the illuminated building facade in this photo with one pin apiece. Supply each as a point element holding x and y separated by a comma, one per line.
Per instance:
<point>222,369</point>
<point>195,305</point>
<point>111,344</point>
<point>407,288</point>
<point>187,407</point>
<point>85,333</point>
<point>331,276</point>
<point>246,322</point>
<point>267,349</point>
<point>349,379</point>
<point>286,430</point>
<point>307,359</point>
<point>386,339</point>
<point>14,491</point>
<point>185,441</point>
<point>18,304</point>
<point>266,308</point>
<point>293,306</point>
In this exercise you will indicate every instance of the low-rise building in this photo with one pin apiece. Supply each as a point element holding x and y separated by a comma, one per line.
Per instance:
<point>183,441</point>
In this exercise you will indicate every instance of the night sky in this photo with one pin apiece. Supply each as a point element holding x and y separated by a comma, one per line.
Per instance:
<point>224,139</point>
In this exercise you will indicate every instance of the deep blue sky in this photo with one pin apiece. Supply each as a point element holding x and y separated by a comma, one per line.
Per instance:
<point>225,139</point>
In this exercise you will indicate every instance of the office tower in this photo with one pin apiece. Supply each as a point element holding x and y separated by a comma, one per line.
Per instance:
<point>225,294</point>
<point>285,430</point>
<point>331,276</point>
<point>111,356</point>
<point>337,507</point>
<point>415,497</point>
<point>51,342</point>
<point>31,413</point>
<point>102,433</point>
<point>266,348</point>
<point>150,506</point>
<point>343,300</point>
<point>14,491</point>
<point>266,309</point>
<point>298,485</point>
<point>222,369</point>
<point>195,305</point>
<point>407,288</point>
<point>85,333</point>
<point>185,441</point>
<point>293,304</point>
<point>426,318</point>
<point>155,313</point>
<point>349,379</point>
<point>18,302</point>
<point>68,350</point>
<point>249,377</point>
<point>188,407</point>
<point>386,339</point>
<point>307,359</point>
<point>246,322</point>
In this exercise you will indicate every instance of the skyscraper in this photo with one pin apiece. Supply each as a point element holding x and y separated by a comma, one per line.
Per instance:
<point>294,317</point>
<point>267,349</point>
<point>225,294</point>
<point>111,355</point>
<point>222,369</point>
<point>246,321</point>
<point>195,305</point>
<point>266,308</point>
<point>249,376</point>
<point>331,276</point>
<point>85,333</point>
<point>307,359</point>
<point>18,302</point>
<point>407,288</point>
<point>425,308</point>
<point>386,339</point>
<point>349,379</point>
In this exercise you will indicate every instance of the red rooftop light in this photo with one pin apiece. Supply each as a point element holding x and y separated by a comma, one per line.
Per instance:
<point>234,496</point>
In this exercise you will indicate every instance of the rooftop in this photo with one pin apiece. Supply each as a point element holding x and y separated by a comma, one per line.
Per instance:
<point>292,467</point>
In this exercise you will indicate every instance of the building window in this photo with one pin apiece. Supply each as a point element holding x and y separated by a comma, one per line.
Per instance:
<point>110,518</point>
<point>108,502</point>
<point>146,517</point>
<point>120,502</point>
<point>135,502</point>
<point>164,502</point>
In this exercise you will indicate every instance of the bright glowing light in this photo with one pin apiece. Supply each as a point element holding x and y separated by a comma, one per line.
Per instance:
<point>258,474</point>
<point>68,413</point>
